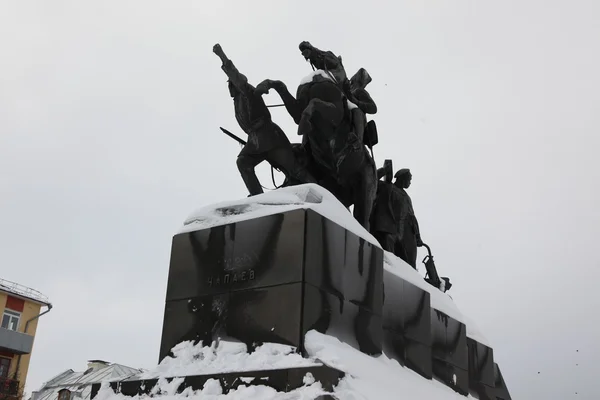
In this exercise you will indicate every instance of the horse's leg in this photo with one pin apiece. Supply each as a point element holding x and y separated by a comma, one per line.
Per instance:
<point>364,195</point>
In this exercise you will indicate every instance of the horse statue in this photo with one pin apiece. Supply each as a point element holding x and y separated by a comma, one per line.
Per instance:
<point>331,150</point>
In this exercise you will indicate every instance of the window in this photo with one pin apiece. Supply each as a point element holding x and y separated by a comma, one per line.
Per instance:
<point>4,367</point>
<point>10,320</point>
<point>64,394</point>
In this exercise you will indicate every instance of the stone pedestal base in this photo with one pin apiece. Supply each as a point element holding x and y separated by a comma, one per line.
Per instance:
<point>272,279</point>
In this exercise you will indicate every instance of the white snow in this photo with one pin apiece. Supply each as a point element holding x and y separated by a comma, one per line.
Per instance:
<point>309,78</point>
<point>212,390</point>
<point>367,377</point>
<point>377,378</point>
<point>226,356</point>
<point>307,196</point>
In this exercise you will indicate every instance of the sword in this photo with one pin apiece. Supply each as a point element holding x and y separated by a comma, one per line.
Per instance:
<point>234,137</point>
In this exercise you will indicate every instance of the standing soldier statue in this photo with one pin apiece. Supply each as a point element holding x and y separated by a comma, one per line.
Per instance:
<point>266,140</point>
<point>393,222</point>
<point>383,221</point>
<point>409,236</point>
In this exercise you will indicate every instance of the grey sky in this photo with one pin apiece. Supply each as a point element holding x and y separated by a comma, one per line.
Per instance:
<point>109,117</point>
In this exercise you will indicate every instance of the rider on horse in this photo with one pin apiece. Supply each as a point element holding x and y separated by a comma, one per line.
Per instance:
<point>335,153</point>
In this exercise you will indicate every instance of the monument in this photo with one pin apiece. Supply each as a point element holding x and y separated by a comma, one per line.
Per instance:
<point>272,267</point>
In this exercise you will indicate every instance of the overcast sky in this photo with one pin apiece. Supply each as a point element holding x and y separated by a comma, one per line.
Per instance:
<point>109,117</point>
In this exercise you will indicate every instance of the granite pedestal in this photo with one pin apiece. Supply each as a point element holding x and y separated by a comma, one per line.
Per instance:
<point>272,279</point>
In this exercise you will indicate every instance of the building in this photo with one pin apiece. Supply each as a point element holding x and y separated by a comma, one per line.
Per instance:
<point>71,385</point>
<point>20,308</point>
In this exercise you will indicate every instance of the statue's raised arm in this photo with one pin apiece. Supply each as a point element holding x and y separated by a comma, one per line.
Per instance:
<point>236,78</point>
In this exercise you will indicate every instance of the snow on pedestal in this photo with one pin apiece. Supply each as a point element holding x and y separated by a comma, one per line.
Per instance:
<point>307,196</point>
<point>225,356</point>
<point>367,377</point>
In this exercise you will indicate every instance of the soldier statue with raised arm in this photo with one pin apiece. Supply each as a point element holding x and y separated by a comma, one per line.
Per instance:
<point>266,140</point>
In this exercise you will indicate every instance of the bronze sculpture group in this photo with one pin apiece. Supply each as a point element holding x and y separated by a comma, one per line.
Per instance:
<point>330,111</point>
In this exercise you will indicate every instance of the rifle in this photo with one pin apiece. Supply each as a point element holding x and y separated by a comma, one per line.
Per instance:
<point>432,276</point>
<point>234,137</point>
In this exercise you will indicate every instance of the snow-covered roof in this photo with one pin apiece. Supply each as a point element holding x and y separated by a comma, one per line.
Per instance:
<point>23,291</point>
<point>80,383</point>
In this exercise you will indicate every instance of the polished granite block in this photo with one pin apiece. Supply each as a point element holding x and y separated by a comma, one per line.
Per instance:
<point>501,391</point>
<point>416,308</point>
<point>406,309</point>
<point>279,314</point>
<point>253,253</point>
<point>282,380</point>
<point>482,392</point>
<point>408,352</point>
<point>200,319</point>
<point>438,335</point>
<point>251,316</point>
<point>295,246</point>
<point>456,340</point>
<point>273,247</point>
<point>363,273</point>
<point>454,377</point>
<point>266,315</point>
<point>245,280</point>
<point>348,322</point>
<point>343,264</point>
<point>195,257</point>
<point>481,364</point>
<point>449,340</point>
<point>325,253</point>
